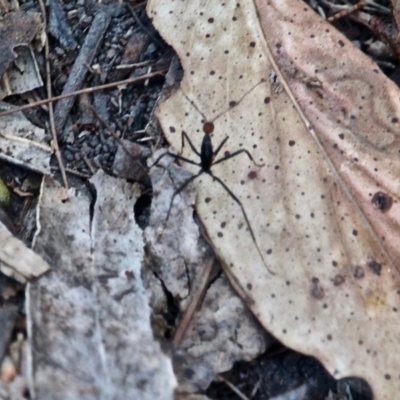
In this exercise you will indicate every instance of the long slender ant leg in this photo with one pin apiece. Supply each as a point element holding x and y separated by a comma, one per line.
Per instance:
<point>244,214</point>
<point>220,147</point>
<point>177,191</point>
<point>185,135</point>
<point>235,154</point>
<point>176,156</point>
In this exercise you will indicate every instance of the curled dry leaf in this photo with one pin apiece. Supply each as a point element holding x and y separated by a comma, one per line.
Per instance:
<point>324,208</point>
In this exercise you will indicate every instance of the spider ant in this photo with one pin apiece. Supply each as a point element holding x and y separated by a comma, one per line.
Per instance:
<point>207,157</point>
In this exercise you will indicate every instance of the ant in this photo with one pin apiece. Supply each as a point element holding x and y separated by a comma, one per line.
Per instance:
<point>207,157</point>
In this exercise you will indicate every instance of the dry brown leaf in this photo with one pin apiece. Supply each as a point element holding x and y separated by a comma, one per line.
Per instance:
<point>324,208</point>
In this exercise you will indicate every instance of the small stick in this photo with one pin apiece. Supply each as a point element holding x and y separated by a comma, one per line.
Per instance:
<point>83,91</point>
<point>79,70</point>
<point>49,94</point>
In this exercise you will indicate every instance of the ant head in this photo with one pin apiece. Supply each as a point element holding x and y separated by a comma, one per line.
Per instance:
<point>208,128</point>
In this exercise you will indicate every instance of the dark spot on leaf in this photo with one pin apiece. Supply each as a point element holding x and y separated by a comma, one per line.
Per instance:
<point>208,128</point>
<point>375,267</point>
<point>220,234</point>
<point>223,224</point>
<point>129,275</point>
<point>212,72</point>
<point>329,337</point>
<point>387,377</point>
<point>233,103</point>
<point>316,290</point>
<point>341,136</point>
<point>382,201</point>
<point>358,272</point>
<point>292,142</point>
<point>334,263</point>
<point>172,129</point>
<point>338,280</point>
<point>269,251</point>
<point>249,286</point>
<point>267,100</point>
<point>252,175</point>
<point>354,232</point>
<point>395,120</point>
<point>207,200</point>
<point>210,20</point>
<point>276,166</point>
<point>252,44</point>
<point>341,43</point>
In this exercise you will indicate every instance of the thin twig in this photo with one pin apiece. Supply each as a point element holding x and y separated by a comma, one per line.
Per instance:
<point>194,305</point>
<point>73,172</point>
<point>49,95</point>
<point>233,387</point>
<point>82,91</point>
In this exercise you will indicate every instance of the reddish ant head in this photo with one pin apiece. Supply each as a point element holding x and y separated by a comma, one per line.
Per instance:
<point>208,128</point>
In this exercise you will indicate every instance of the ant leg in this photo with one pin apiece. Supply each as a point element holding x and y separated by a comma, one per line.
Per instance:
<point>176,156</point>
<point>245,217</point>
<point>177,191</point>
<point>234,154</point>
<point>220,147</point>
<point>185,135</point>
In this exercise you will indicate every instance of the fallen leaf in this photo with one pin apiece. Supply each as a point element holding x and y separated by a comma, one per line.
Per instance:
<point>90,333</point>
<point>23,143</point>
<point>220,330</point>
<point>283,84</point>
<point>16,29</point>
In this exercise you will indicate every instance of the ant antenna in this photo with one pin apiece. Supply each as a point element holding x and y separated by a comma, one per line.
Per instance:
<point>231,105</point>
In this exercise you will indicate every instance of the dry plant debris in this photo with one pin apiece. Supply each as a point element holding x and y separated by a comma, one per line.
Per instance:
<point>221,330</point>
<point>16,29</point>
<point>91,312</point>
<point>23,143</point>
<point>17,260</point>
<point>282,83</point>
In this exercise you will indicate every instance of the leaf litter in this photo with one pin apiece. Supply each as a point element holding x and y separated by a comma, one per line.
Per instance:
<point>326,129</point>
<point>221,330</point>
<point>90,312</point>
